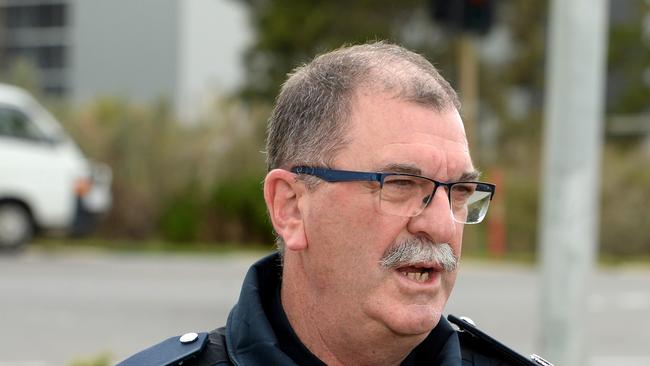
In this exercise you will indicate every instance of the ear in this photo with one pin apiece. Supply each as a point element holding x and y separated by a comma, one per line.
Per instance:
<point>282,194</point>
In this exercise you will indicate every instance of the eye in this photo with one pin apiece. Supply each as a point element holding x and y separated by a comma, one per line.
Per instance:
<point>397,182</point>
<point>401,188</point>
<point>426,199</point>
<point>464,189</point>
<point>461,193</point>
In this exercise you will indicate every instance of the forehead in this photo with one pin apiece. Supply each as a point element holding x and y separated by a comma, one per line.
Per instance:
<point>386,131</point>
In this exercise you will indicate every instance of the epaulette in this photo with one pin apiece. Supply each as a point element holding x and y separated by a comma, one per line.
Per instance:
<point>172,351</point>
<point>483,341</point>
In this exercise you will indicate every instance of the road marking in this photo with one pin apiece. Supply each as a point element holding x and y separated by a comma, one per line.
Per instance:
<point>634,300</point>
<point>627,301</point>
<point>620,361</point>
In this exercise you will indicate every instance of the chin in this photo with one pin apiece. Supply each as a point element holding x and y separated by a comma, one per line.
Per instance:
<point>414,320</point>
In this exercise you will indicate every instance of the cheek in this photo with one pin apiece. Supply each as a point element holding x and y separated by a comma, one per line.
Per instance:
<point>448,282</point>
<point>347,237</point>
<point>343,231</point>
<point>335,226</point>
<point>457,244</point>
<point>340,211</point>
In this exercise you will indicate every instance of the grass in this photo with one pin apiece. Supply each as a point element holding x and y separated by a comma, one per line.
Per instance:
<point>641,261</point>
<point>103,359</point>
<point>146,246</point>
<point>212,248</point>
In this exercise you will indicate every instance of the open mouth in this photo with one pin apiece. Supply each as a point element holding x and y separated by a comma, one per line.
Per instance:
<point>417,273</point>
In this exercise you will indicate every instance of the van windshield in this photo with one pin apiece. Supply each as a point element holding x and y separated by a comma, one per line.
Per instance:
<point>46,123</point>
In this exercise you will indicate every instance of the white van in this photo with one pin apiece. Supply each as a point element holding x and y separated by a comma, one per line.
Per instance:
<point>46,183</point>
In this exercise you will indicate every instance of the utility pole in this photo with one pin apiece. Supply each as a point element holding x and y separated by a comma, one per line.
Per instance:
<point>468,82</point>
<point>467,19</point>
<point>575,81</point>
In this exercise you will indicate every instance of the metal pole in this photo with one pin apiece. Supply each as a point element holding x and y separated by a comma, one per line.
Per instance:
<point>468,80</point>
<point>571,174</point>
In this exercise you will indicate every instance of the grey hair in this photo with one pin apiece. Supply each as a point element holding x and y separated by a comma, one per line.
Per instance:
<point>419,250</point>
<point>308,124</point>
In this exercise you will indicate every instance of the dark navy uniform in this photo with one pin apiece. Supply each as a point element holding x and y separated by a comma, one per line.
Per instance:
<point>258,333</point>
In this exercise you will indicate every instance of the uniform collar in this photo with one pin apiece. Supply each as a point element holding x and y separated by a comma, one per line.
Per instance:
<point>251,339</point>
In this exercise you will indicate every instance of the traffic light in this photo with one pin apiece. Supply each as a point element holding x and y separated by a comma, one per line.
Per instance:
<point>465,15</point>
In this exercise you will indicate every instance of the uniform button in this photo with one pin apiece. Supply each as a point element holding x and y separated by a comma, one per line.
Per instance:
<point>188,338</point>
<point>467,319</point>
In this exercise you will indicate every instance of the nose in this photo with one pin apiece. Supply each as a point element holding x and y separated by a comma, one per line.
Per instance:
<point>436,221</point>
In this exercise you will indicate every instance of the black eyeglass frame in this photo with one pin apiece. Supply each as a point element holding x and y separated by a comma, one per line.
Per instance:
<point>335,175</point>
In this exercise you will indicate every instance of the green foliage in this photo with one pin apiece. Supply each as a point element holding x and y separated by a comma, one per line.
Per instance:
<point>181,218</point>
<point>103,359</point>
<point>239,204</point>
<point>624,219</point>
<point>165,172</point>
<point>203,182</point>
<point>323,26</point>
<point>23,73</point>
<point>629,60</point>
<point>521,194</point>
<point>233,209</point>
<point>149,152</point>
<point>100,245</point>
<point>290,32</point>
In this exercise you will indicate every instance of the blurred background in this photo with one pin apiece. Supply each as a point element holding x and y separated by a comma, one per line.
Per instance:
<point>169,99</point>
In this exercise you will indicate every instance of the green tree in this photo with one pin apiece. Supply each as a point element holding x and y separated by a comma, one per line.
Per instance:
<point>629,60</point>
<point>290,32</point>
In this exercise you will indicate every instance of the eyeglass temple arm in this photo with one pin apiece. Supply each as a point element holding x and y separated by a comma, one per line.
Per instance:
<point>333,175</point>
<point>487,187</point>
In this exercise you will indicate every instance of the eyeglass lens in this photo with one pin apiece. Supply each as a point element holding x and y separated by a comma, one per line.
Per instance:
<point>408,196</point>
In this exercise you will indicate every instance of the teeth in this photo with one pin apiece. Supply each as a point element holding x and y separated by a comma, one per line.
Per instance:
<point>417,276</point>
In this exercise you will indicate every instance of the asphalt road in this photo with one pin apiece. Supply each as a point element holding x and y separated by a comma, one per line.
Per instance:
<point>56,308</point>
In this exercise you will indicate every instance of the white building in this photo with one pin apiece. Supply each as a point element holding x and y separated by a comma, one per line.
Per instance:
<point>186,51</point>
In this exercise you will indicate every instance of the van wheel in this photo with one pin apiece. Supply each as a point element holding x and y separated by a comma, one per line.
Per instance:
<point>16,227</point>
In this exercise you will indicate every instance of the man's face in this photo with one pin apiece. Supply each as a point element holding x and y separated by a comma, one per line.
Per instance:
<point>347,235</point>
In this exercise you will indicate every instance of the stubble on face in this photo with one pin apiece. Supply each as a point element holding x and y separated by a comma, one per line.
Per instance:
<point>349,271</point>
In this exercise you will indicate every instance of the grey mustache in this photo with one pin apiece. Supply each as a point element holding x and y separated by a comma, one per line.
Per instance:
<point>417,250</point>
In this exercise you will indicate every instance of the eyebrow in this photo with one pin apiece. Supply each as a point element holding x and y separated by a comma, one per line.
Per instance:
<point>471,175</point>
<point>401,168</point>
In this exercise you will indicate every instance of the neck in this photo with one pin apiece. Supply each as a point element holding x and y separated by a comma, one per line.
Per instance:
<point>337,332</point>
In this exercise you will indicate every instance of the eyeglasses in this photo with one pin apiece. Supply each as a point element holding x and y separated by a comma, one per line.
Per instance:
<point>407,195</point>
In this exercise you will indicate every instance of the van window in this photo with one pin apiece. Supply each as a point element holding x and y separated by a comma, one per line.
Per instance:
<point>14,123</point>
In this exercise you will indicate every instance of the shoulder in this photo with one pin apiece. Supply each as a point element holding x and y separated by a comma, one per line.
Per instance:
<point>190,349</point>
<point>478,348</point>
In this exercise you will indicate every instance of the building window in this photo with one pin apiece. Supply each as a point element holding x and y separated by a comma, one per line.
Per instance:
<point>55,90</point>
<point>51,57</point>
<point>36,16</point>
<point>45,57</point>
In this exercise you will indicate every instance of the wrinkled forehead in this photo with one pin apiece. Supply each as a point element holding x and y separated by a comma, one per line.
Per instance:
<point>388,115</point>
<point>405,81</point>
<point>386,130</point>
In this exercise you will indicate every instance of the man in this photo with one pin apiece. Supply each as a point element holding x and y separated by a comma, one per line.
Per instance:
<point>369,186</point>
